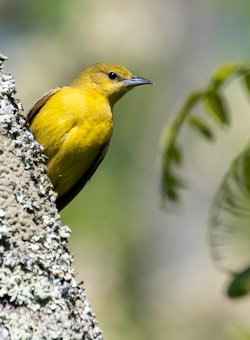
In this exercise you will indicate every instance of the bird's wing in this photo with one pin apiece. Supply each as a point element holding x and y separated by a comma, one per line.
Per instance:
<point>63,200</point>
<point>230,216</point>
<point>39,104</point>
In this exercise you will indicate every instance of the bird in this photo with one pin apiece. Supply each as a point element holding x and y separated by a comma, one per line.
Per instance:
<point>74,124</point>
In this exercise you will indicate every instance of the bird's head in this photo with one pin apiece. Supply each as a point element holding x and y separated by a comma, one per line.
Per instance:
<point>110,80</point>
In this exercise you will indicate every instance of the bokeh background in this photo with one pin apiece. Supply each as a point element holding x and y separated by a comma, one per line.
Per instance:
<point>147,271</point>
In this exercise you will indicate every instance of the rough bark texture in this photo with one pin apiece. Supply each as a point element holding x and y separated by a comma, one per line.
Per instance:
<point>39,295</point>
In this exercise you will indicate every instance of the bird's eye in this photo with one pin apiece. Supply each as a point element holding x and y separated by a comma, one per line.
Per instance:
<point>112,75</point>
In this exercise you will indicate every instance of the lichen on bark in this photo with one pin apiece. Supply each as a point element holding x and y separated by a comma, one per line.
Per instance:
<point>39,295</point>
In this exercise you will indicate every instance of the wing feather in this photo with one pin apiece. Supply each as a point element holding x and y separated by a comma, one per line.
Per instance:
<point>63,200</point>
<point>39,104</point>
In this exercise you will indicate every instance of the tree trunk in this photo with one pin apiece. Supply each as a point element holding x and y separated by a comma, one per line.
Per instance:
<point>39,295</point>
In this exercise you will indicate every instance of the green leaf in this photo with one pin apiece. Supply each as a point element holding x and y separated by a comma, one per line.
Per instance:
<point>171,185</point>
<point>230,217</point>
<point>201,127</point>
<point>217,107</point>
<point>223,73</point>
<point>240,285</point>
<point>174,154</point>
<point>246,80</point>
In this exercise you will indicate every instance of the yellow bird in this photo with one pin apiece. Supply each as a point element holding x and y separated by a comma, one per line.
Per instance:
<point>74,124</point>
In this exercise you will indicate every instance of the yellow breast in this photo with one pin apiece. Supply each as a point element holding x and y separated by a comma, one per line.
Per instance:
<point>72,126</point>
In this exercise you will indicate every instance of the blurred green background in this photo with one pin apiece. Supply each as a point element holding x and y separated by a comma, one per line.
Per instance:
<point>147,271</point>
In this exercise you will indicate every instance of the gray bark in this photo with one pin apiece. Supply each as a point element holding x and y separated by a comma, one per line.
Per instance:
<point>39,295</point>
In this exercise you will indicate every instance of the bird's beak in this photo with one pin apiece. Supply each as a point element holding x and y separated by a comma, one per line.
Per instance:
<point>135,81</point>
